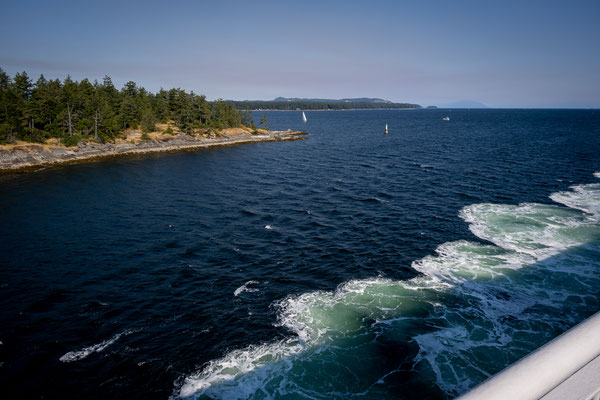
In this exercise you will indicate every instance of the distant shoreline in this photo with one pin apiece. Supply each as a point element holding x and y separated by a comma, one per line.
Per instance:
<point>342,109</point>
<point>439,108</point>
<point>23,157</point>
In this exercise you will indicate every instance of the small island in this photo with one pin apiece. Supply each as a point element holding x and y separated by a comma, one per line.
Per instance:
<point>51,122</point>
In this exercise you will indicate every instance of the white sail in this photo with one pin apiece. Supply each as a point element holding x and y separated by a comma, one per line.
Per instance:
<point>304,117</point>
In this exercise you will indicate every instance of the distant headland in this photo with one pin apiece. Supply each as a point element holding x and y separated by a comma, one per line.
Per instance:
<point>295,103</point>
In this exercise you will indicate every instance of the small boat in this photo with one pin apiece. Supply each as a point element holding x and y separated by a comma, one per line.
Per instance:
<point>446,118</point>
<point>304,117</point>
<point>386,129</point>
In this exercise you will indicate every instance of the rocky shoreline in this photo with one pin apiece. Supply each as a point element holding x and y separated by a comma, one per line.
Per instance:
<point>32,156</point>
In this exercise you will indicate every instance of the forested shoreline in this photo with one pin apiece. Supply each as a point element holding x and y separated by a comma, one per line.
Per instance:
<point>74,110</point>
<point>317,105</point>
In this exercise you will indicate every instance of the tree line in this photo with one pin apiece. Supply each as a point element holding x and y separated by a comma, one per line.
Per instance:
<point>316,105</point>
<point>71,110</point>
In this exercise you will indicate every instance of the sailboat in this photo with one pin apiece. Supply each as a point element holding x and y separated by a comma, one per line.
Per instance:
<point>304,117</point>
<point>386,129</point>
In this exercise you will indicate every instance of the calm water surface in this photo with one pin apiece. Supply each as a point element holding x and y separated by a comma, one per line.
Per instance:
<point>348,265</point>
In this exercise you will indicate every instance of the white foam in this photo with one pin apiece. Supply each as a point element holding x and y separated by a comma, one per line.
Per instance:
<point>269,227</point>
<point>245,288</point>
<point>581,197</point>
<point>528,235</point>
<point>460,261</point>
<point>315,316</point>
<point>503,311</point>
<point>230,377</point>
<point>96,348</point>
<point>540,230</point>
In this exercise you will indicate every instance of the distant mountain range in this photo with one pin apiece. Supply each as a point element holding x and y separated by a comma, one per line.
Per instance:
<point>354,100</point>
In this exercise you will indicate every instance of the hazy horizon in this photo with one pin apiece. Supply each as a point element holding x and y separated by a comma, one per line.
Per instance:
<point>504,55</point>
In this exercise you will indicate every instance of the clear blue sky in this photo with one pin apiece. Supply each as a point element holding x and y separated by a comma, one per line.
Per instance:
<point>501,53</point>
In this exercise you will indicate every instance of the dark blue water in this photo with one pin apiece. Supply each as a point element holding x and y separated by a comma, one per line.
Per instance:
<point>125,278</point>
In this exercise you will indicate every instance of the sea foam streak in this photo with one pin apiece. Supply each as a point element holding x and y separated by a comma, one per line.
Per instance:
<point>263,360</point>
<point>582,197</point>
<point>245,288</point>
<point>474,309</point>
<point>96,348</point>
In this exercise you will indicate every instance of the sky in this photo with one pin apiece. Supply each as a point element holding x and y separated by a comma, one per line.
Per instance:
<point>500,53</point>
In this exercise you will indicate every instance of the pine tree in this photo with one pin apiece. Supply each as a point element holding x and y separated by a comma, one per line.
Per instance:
<point>69,109</point>
<point>263,122</point>
<point>8,109</point>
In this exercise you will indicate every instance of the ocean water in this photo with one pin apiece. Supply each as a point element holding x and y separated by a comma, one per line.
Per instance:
<point>351,265</point>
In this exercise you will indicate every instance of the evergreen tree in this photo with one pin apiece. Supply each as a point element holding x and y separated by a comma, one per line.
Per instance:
<point>69,99</point>
<point>263,122</point>
<point>23,86</point>
<point>8,109</point>
<point>70,109</point>
<point>247,119</point>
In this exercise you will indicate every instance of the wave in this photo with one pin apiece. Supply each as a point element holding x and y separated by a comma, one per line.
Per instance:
<point>256,359</point>
<point>540,230</point>
<point>245,288</point>
<point>96,348</point>
<point>371,200</point>
<point>582,197</point>
<point>474,309</point>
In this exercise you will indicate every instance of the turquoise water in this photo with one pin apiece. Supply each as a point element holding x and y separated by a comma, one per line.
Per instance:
<point>349,265</point>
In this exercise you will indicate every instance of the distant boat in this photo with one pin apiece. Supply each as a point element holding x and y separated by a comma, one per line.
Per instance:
<point>386,129</point>
<point>446,118</point>
<point>304,117</point>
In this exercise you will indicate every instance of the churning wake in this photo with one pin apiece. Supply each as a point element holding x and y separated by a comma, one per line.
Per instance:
<point>474,309</point>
